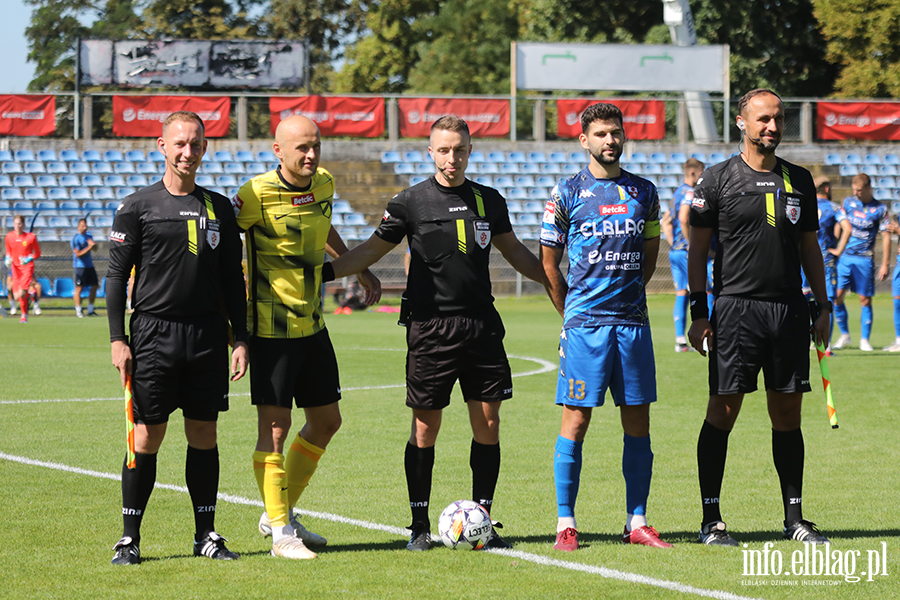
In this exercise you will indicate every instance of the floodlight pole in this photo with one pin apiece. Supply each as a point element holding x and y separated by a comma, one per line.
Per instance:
<point>77,107</point>
<point>512,91</point>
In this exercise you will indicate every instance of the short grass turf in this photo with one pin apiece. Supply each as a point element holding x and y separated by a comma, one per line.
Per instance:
<point>57,527</point>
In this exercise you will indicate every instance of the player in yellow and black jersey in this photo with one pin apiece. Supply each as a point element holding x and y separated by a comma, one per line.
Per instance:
<point>286,214</point>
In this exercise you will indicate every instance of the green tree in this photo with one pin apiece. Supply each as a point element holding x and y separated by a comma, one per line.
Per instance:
<point>55,25</point>
<point>610,22</point>
<point>864,41</point>
<point>194,19</point>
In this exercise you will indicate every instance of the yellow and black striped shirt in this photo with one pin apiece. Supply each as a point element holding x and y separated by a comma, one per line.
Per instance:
<point>286,230</point>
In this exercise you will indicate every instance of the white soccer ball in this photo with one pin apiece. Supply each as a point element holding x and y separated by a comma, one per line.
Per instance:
<point>465,525</point>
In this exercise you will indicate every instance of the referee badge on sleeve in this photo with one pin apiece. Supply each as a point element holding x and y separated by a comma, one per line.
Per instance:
<point>482,233</point>
<point>792,209</point>
<point>212,234</point>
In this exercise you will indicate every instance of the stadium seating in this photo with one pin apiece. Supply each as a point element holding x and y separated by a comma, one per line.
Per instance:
<point>699,156</point>
<point>23,155</point>
<point>135,156</point>
<point>23,181</point>
<point>69,156</point>
<point>390,156</point>
<point>113,156</point>
<point>266,156</point>
<point>11,168</point>
<point>79,167</point>
<point>413,156</point>
<point>244,156</point>
<point>124,168</point>
<point>5,156</point>
<point>147,168</point>
<point>101,167</point>
<point>63,287</point>
<point>57,194</point>
<point>517,157</point>
<point>80,193</point>
<point>91,156</point>
<point>477,157</point>
<point>35,193</point>
<point>34,167</point>
<point>57,167</point>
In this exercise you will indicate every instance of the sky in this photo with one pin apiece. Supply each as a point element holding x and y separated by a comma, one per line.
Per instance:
<point>16,72</point>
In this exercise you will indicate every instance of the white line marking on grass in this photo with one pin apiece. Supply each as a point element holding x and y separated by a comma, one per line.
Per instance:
<point>400,531</point>
<point>545,367</point>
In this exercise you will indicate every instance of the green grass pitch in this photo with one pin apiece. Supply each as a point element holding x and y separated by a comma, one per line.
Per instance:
<point>58,525</point>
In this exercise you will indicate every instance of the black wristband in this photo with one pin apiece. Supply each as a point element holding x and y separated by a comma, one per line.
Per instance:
<point>699,309</point>
<point>327,272</point>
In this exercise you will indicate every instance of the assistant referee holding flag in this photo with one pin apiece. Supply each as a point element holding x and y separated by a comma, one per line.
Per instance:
<point>763,213</point>
<point>188,284</point>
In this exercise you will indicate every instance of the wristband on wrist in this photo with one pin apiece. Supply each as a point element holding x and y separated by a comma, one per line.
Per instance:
<point>699,309</point>
<point>327,272</point>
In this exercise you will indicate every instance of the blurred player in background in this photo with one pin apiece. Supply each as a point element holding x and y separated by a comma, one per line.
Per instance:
<point>85,276</point>
<point>22,249</point>
<point>895,292</point>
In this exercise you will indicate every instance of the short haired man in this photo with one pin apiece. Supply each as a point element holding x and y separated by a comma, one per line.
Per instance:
<point>834,231</point>
<point>762,211</point>
<point>85,275</point>
<point>454,332</point>
<point>186,249</point>
<point>607,221</point>
<point>22,249</point>
<point>286,214</point>
<point>868,219</point>
<point>677,232</point>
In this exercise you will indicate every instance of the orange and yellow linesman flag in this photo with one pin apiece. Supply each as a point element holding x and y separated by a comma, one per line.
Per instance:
<point>826,381</point>
<point>129,422</point>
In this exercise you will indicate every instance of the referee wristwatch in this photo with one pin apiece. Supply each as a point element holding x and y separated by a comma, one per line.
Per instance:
<point>820,306</point>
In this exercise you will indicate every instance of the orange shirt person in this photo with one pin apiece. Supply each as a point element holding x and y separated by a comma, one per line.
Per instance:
<point>21,250</point>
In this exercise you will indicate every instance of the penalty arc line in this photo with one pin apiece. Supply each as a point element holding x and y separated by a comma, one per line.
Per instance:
<point>538,559</point>
<point>544,367</point>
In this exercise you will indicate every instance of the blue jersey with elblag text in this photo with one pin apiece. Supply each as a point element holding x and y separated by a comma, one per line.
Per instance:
<point>684,195</point>
<point>867,220</point>
<point>602,224</point>
<point>828,218</point>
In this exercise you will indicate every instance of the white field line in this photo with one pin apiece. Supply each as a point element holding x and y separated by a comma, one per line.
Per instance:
<point>402,532</point>
<point>543,367</point>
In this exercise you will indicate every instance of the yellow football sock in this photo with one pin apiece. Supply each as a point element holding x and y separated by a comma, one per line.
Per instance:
<point>268,467</point>
<point>302,460</point>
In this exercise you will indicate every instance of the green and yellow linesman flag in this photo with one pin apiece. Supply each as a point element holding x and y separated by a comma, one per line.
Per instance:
<point>826,381</point>
<point>129,422</point>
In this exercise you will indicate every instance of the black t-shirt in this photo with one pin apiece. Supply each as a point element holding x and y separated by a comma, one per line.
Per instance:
<point>187,263</point>
<point>449,232</point>
<point>757,218</point>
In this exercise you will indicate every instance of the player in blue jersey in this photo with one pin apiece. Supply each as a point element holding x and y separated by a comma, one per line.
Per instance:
<point>895,292</point>
<point>868,219</point>
<point>85,275</point>
<point>833,234</point>
<point>678,236</point>
<point>607,220</point>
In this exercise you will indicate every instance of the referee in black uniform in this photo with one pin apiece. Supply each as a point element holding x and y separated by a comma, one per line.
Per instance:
<point>453,332</point>
<point>186,250</point>
<point>763,213</point>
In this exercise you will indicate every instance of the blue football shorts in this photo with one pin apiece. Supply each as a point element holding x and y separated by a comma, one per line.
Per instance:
<point>856,273</point>
<point>678,264</point>
<point>614,357</point>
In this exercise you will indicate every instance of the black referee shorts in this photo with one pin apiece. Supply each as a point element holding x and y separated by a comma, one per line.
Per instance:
<point>750,335</point>
<point>442,350</point>
<point>179,364</point>
<point>299,369</point>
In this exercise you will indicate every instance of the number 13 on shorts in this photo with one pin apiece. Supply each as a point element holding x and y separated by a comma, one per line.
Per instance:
<point>576,389</point>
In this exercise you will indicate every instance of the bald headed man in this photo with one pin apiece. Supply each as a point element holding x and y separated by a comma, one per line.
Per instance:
<point>286,214</point>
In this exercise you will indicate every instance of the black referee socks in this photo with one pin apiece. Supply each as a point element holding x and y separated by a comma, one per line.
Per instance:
<point>788,454</point>
<point>485,463</point>
<point>201,473</point>
<point>712,448</point>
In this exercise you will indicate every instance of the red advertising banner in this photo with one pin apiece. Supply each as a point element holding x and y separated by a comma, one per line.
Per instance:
<point>27,115</point>
<point>858,121</point>
<point>142,116</point>
<point>354,117</point>
<point>643,119</point>
<point>486,118</point>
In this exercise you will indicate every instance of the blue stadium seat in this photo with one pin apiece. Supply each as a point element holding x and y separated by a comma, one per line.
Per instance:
<point>538,193</point>
<point>581,158</point>
<point>870,170</point>
<point>355,219</point>
<point>47,235</point>
<point>23,155</point>
<point>79,168</point>
<point>136,181</point>
<point>517,193</point>
<point>59,222</point>
<point>226,180</point>
<point>890,170</point>
<point>35,193</point>
<point>255,168</point>
<point>891,159</point>
<point>537,157</point>
<point>517,156</point>
<point>848,170</point>
<point>156,156</point>
<point>652,169</point>
<point>514,207</point>
<point>124,168</point>
<point>34,167</point>
<point>342,207</point>
<point>46,181</point>
<point>244,179</point>
<point>668,181</point>
<point>489,168</point>
<point>101,289</point>
<point>79,193</point>
<point>570,168</point>
<point>46,286</point>
<point>881,194</point>
<point>833,160</point>
<point>895,207</point>
<point>23,181</point>
<point>717,157</point>
<point>47,208</point>
<point>6,156</point>
<point>477,157</point>
<point>70,181</point>
<point>699,156</point>
<point>91,156</point>
<point>872,159</point>
<point>92,206</point>
<point>57,194</point>
<point>425,168</point>
<point>677,158</point>
<point>509,168</point>
<point>527,218</point>
<point>529,168</point>
<point>234,168</point>
<point>266,156</point>
<point>659,158</point>
<point>121,193</point>
<point>63,287</point>
<point>348,233</point>
<point>101,167</point>
<point>11,168</point>
<point>637,157</point>
<point>69,208</point>
<point>551,169</point>
<point>673,169</point>
<point>496,156</point>
<point>524,181</point>
<point>665,194</point>
<point>104,193</point>
<point>113,156</point>
<point>204,180</point>
<point>404,168</point>
<point>11,193</point>
<point>47,155</point>
<point>102,221</point>
<point>135,156</point>
<point>69,156</point>
<point>853,159</point>
<point>147,168</point>
<point>23,207</point>
<point>390,156</point>
<point>223,156</point>
<point>114,180</point>
<point>337,219</point>
<point>413,156</point>
<point>884,182</point>
<point>485,180</point>
<point>546,181</point>
<point>212,168</point>
<point>91,180</point>
<point>533,206</point>
<point>154,178</point>
<point>57,167</point>
<point>244,156</point>
<point>505,181</point>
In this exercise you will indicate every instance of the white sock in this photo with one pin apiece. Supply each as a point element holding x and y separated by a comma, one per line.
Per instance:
<point>279,533</point>
<point>77,310</point>
<point>90,308</point>
<point>633,522</point>
<point>680,340</point>
<point>564,523</point>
